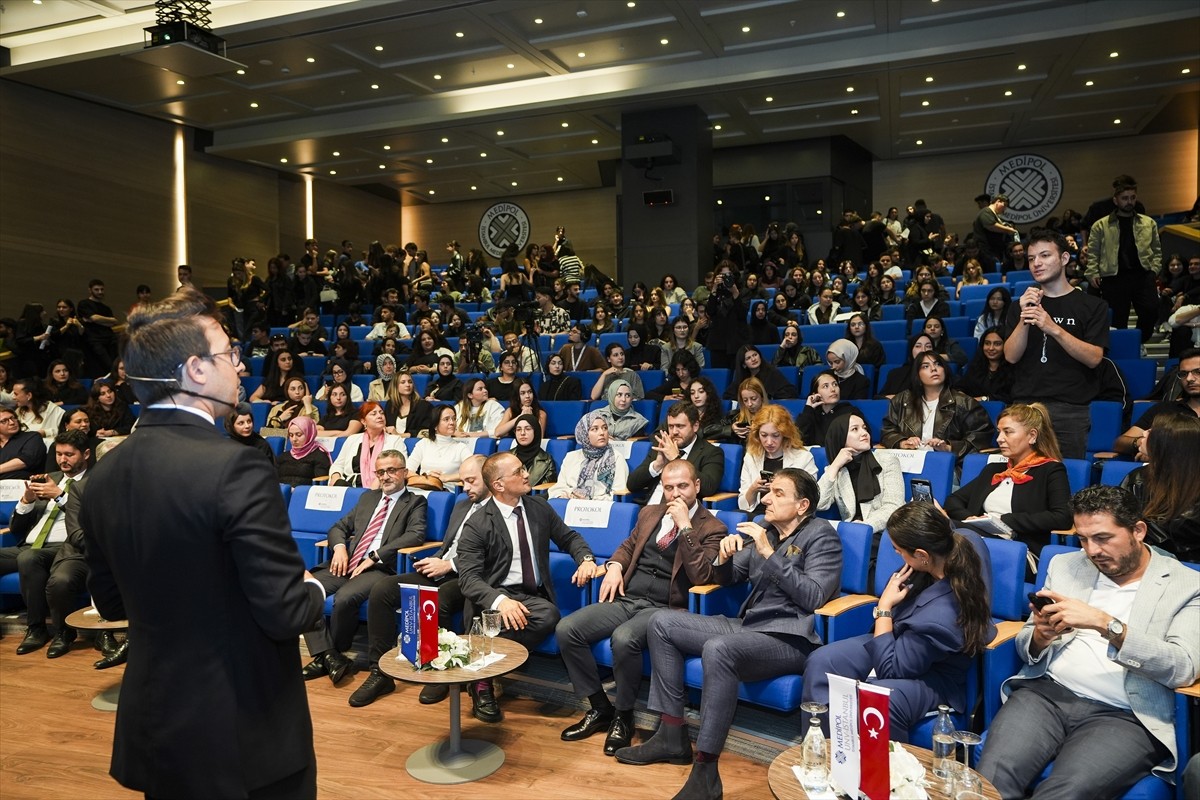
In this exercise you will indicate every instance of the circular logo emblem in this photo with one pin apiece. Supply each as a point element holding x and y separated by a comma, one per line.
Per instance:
<point>501,225</point>
<point>1033,185</point>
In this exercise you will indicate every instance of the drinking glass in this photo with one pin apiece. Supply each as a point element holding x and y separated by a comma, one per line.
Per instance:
<point>491,629</point>
<point>815,752</point>
<point>967,739</point>
<point>965,780</point>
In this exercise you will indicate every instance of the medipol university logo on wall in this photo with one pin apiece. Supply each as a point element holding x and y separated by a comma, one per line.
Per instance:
<point>1033,185</point>
<point>501,225</point>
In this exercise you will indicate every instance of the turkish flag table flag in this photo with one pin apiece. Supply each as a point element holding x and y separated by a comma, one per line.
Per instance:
<point>874,773</point>
<point>418,623</point>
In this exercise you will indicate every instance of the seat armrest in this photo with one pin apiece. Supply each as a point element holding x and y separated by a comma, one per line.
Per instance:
<point>417,548</point>
<point>543,487</point>
<point>1190,691</point>
<point>1005,631</point>
<point>713,498</point>
<point>704,588</point>
<point>839,605</point>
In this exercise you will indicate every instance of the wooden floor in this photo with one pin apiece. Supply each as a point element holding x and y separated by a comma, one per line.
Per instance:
<point>53,744</point>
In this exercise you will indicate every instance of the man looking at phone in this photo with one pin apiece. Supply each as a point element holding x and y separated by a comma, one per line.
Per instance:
<point>1102,659</point>
<point>1058,338</point>
<point>671,549</point>
<point>681,439</point>
<point>49,558</point>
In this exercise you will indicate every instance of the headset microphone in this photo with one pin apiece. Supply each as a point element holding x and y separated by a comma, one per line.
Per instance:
<point>182,390</point>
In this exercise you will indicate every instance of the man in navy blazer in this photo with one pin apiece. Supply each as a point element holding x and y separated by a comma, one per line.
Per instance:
<point>1102,661</point>
<point>364,550</point>
<point>504,563</point>
<point>187,537</point>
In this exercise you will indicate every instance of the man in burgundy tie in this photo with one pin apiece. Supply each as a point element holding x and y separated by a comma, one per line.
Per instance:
<point>364,546</point>
<point>504,563</point>
<point>672,548</point>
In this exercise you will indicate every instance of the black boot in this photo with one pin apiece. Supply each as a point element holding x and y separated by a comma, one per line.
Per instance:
<point>668,745</point>
<point>703,784</point>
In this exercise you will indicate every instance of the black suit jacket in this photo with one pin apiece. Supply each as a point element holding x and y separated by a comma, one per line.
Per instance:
<point>454,523</point>
<point>485,552</point>
<point>709,461</point>
<point>405,527</point>
<point>187,537</point>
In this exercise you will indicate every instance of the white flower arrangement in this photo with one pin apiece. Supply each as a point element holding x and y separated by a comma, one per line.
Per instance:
<point>453,651</point>
<point>907,774</point>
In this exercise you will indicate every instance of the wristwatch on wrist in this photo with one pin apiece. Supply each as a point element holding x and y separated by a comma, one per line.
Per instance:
<point>1114,630</point>
<point>877,613</point>
<point>589,558</point>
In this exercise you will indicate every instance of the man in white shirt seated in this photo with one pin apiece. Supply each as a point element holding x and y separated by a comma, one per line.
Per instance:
<point>387,319</point>
<point>1102,660</point>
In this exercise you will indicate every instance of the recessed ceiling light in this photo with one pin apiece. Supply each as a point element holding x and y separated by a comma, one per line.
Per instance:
<point>853,112</point>
<point>432,191</point>
<point>1089,83</point>
<point>919,141</point>
<point>566,124</point>
<point>1008,93</point>
<point>511,66</point>
<point>1113,54</point>
<point>745,29</point>
<point>630,4</point>
<point>1116,122</point>
<point>437,77</point>
<point>582,54</point>
<point>374,85</point>
<point>499,133</point>
<point>336,153</point>
<point>841,14</point>
<point>387,147</point>
<point>37,2</point>
<point>241,72</point>
<point>459,34</point>
<point>560,179</point>
<point>474,188</point>
<point>333,172</point>
<point>849,88</point>
<point>483,155</point>
<point>379,48</point>
<point>180,82</point>
<point>720,202</point>
<point>1020,66</point>
<point>283,161</point>
<point>819,210</point>
<point>595,141</point>
<point>1185,71</point>
<point>383,166</point>
<point>766,198</point>
<point>445,140</point>
<point>514,183</point>
<point>429,161</point>
<point>929,79</point>
<point>254,105</point>
<point>924,103</point>
<point>716,127</point>
<point>769,99</point>
<point>311,60</point>
<point>664,41</point>
<point>536,21</point>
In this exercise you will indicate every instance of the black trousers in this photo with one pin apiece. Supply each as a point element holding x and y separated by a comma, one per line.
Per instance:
<point>1132,289</point>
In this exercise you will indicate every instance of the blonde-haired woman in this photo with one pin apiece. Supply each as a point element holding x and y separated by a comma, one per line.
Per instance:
<point>774,443</point>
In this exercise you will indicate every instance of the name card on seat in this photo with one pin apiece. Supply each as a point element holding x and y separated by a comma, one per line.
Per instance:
<point>325,498</point>
<point>622,448</point>
<point>11,491</point>
<point>588,513</point>
<point>911,461</point>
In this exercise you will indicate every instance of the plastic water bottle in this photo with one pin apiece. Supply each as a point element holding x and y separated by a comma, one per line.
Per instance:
<point>814,759</point>
<point>477,640</point>
<point>943,743</point>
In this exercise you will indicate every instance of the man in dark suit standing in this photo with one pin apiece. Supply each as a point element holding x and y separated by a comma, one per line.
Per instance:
<point>49,558</point>
<point>365,546</point>
<point>436,571</point>
<point>671,549</point>
<point>187,537</point>
<point>794,566</point>
<point>680,440</point>
<point>504,563</point>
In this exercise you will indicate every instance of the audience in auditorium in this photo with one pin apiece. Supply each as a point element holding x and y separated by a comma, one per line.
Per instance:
<point>931,415</point>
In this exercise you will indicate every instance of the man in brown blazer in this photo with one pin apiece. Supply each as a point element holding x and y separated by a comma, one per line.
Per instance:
<point>671,549</point>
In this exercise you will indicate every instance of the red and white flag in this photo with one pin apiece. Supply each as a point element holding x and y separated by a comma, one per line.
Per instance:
<point>874,773</point>
<point>427,627</point>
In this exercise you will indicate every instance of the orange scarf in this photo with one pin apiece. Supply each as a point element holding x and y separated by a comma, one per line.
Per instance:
<point>1017,471</point>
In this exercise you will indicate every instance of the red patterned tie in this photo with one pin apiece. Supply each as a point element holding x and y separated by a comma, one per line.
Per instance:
<point>372,531</point>
<point>667,539</point>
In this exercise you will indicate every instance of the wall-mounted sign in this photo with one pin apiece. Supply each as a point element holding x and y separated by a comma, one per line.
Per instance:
<point>1033,184</point>
<point>501,225</point>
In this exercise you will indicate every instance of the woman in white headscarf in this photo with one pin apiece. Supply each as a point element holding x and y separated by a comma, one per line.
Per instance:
<point>842,358</point>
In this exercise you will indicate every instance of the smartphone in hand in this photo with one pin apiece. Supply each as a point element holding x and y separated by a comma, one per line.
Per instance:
<point>922,490</point>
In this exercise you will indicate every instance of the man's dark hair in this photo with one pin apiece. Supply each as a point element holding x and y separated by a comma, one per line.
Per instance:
<point>161,337</point>
<point>185,267</point>
<point>141,287</point>
<point>95,282</point>
<point>1113,500</point>
<point>1000,198</point>
<point>1123,183</point>
<point>76,439</point>
<point>1047,235</point>
<point>805,486</point>
<point>1191,352</point>
<point>683,408</point>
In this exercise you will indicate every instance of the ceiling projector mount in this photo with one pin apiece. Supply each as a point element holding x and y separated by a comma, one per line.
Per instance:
<point>182,40</point>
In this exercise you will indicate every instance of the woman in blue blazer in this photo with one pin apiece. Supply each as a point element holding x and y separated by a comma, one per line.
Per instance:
<point>932,618</point>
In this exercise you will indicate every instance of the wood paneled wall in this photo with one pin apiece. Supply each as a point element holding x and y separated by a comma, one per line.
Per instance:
<point>1164,164</point>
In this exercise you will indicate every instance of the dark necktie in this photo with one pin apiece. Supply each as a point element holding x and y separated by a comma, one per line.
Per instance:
<point>528,581</point>
<point>668,538</point>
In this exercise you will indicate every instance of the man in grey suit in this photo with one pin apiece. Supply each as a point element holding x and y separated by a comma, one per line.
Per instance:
<point>1101,662</point>
<point>365,546</point>
<point>681,439</point>
<point>49,559</point>
<point>794,566</point>
<point>504,563</point>
<point>436,571</point>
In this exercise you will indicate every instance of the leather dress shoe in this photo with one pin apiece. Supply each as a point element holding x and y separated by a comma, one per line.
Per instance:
<point>668,745</point>
<point>35,639</point>
<point>315,669</point>
<point>116,657</point>
<point>339,666</point>
<point>593,722</point>
<point>620,733</point>
<point>483,702</point>
<point>106,642</point>
<point>434,693</point>
<point>60,645</point>
<point>374,687</point>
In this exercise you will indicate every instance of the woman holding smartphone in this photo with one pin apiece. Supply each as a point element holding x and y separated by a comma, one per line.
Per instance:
<point>773,444</point>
